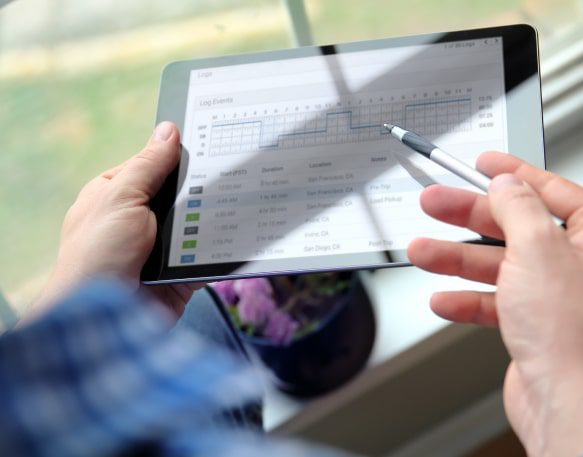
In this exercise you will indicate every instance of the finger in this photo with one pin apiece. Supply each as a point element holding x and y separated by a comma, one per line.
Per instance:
<point>460,207</point>
<point>468,261</point>
<point>146,171</point>
<point>466,306</point>
<point>175,296</point>
<point>112,172</point>
<point>561,196</point>
<point>521,214</point>
<point>185,290</point>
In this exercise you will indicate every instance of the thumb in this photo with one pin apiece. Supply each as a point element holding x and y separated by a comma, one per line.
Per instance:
<point>521,214</point>
<point>146,171</point>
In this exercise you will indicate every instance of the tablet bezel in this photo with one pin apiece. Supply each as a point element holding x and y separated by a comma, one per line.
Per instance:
<point>522,86</point>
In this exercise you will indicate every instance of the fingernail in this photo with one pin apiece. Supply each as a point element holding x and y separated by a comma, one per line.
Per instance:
<point>163,131</point>
<point>503,181</point>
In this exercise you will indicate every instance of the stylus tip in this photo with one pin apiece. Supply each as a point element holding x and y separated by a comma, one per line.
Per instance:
<point>389,127</point>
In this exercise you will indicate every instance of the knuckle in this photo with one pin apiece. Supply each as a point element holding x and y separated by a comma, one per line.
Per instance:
<point>520,193</point>
<point>148,155</point>
<point>520,197</point>
<point>543,233</point>
<point>126,196</point>
<point>526,209</point>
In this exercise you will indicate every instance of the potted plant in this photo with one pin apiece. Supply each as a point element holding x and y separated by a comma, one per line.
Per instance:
<point>312,331</point>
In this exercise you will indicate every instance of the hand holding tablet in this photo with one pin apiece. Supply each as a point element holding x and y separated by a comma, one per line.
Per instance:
<point>286,166</point>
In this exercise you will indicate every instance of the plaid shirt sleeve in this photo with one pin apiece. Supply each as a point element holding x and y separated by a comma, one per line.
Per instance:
<point>102,375</point>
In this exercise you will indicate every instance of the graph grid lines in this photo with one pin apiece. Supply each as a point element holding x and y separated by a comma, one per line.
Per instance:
<point>347,125</point>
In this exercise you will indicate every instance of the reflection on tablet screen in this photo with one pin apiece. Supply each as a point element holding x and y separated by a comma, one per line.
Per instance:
<point>289,160</point>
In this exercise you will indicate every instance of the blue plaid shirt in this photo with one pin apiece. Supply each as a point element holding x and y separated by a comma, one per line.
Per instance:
<point>103,375</point>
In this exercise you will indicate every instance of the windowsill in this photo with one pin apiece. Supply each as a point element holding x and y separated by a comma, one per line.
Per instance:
<point>409,336</point>
<point>403,319</point>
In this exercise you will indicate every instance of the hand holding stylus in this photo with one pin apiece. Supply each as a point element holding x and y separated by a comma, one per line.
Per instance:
<point>538,303</point>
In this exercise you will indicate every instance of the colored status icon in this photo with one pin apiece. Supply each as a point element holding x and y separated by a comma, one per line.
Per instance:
<point>187,258</point>
<point>192,217</point>
<point>189,244</point>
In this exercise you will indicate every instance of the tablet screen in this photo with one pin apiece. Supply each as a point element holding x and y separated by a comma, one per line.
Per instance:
<point>286,165</point>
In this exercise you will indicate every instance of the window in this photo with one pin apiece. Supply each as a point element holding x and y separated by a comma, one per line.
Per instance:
<point>345,20</point>
<point>79,82</point>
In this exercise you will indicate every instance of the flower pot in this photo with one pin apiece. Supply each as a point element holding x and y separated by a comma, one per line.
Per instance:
<point>332,353</point>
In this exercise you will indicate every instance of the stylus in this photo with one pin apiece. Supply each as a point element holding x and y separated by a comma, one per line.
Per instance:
<point>432,152</point>
<point>447,161</point>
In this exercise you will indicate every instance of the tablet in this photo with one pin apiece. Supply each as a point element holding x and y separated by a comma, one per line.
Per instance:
<point>285,165</point>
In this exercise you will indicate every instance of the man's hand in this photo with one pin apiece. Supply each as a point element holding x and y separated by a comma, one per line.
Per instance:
<point>110,230</point>
<point>538,303</point>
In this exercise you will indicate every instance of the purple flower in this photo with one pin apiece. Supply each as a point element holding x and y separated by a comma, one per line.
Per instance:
<point>253,287</point>
<point>280,328</point>
<point>226,290</point>
<point>255,309</point>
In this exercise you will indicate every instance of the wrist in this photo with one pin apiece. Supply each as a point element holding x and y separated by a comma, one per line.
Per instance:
<point>60,282</point>
<point>563,416</point>
<point>63,279</point>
